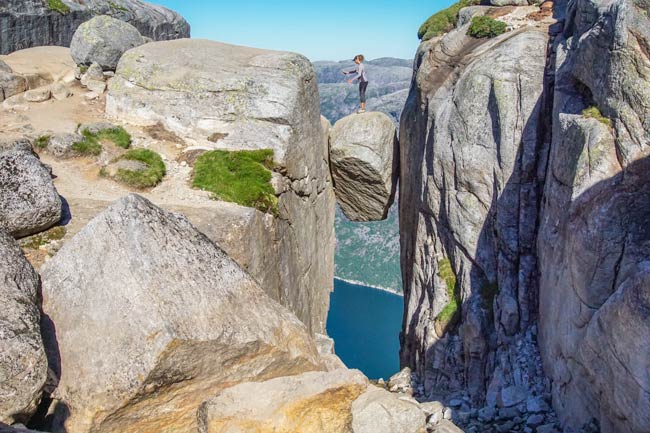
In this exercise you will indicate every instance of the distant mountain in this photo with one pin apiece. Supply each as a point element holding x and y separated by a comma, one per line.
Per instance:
<point>368,253</point>
<point>389,78</point>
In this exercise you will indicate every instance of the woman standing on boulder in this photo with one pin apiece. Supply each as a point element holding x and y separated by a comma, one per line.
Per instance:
<point>360,71</point>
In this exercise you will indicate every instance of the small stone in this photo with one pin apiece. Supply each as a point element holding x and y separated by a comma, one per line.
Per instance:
<point>486,414</point>
<point>447,414</point>
<point>401,382</point>
<point>91,96</point>
<point>60,92</point>
<point>41,94</point>
<point>512,396</point>
<point>98,87</point>
<point>536,405</point>
<point>184,164</point>
<point>94,73</point>
<point>535,420</point>
<point>506,427</point>
<point>60,145</point>
<point>509,413</point>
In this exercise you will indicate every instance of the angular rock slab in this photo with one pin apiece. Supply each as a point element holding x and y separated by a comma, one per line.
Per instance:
<point>364,161</point>
<point>378,410</point>
<point>311,402</point>
<point>103,40</point>
<point>23,364</point>
<point>10,84</point>
<point>152,319</point>
<point>29,202</point>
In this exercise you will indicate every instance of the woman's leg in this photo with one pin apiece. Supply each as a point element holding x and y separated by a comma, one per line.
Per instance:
<point>362,93</point>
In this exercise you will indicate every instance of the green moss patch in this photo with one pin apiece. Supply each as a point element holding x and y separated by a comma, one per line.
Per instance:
<point>91,144</point>
<point>58,6</point>
<point>449,314</point>
<point>242,177</point>
<point>117,7</point>
<point>142,179</point>
<point>42,141</point>
<point>443,21</point>
<point>42,239</point>
<point>486,27</point>
<point>594,113</point>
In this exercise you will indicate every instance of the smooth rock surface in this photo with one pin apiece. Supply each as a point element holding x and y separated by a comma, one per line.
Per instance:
<point>364,160</point>
<point>379,411</point>
<point>60,145</point>
<point>29,202</point>
<point>310,402</point>
<point>103,40</point>
<point>185,322</point>
<point>30,23</point>
<point>38,95</point>
<point>253,99</point>
<point>23,365</point>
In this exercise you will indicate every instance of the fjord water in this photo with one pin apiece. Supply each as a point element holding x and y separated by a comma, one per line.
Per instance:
<point>365,324</point>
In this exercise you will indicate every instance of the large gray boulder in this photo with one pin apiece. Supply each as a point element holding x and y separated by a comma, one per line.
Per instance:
<point>152,319</point>
<point>29,202</point>
<point>593,241</point>
<point>31,23</point>
<point>23,364</point>
<point>364,160</point>
<point>469,145</point>
<point>253,99</point>
<point>10,84</point>
<point>103,40</point>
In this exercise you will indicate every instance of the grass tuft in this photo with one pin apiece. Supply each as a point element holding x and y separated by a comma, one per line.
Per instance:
<point>42,141</point>
<point>42,239</point>
<point>142,179</point>
<point>117,7</point>
<point>443,21</point>
<point>449,313</point>
<point>486,27</point>
<point>242,177</point>
<point>594,113</point>
<point>58,6</point>
<point>91,144</point>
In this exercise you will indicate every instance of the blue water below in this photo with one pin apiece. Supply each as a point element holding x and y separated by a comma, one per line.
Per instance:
<point>365,325</point>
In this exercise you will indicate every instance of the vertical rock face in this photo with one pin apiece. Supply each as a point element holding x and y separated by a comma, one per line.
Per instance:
<point>23,365</point>
<point>469,140</point>
<point>593,241</point>
<point>151,319</point>
<point>31,23</point>
<point>250,99</point>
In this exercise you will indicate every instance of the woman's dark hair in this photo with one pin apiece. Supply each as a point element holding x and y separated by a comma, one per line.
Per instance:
<point>360,57</point>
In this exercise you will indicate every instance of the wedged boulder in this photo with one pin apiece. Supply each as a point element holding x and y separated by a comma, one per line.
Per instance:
<point>32,23</point>
<point>23,364</point>
<point>29,202</point>
<point>364,160</point>
<point>152,319</point>
<point>61,145</point>
<point>310,402</point>
<point>103,40</point>
<point>379,411</point>
<point>10,84</point>
<point>238,98</point>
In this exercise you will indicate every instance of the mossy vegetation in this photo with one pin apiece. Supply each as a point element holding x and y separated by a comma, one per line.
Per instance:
<point>449,314</point>
<point>41,239</point>
<point>91,144</point>
<point>58,6</point>
<point>117,7</point>
<point>142,179</point>
<point>242,177</point>
<point>42,141</point>
<point>443,21</point>
<point>594,113</point>
<point>486,27</point>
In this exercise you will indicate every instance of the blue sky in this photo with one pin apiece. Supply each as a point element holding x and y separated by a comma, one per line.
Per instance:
<point>321,30</point>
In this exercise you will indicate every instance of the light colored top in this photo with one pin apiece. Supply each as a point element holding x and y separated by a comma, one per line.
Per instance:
<point>360,70</point>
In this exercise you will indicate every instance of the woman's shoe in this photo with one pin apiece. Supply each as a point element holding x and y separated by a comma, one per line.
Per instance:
<point>361,110</point>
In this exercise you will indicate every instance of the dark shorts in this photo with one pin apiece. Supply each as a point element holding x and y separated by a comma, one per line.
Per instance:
<point>363,85</point>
